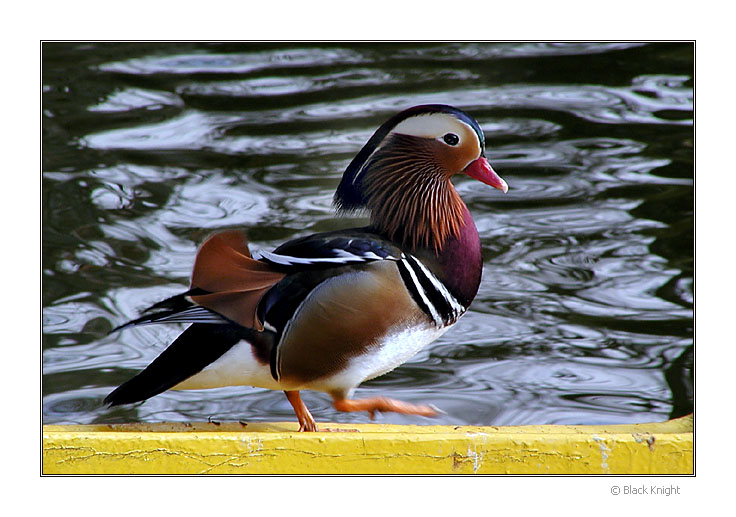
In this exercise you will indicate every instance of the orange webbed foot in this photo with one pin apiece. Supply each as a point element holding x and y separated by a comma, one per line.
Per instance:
<point>383,404</point>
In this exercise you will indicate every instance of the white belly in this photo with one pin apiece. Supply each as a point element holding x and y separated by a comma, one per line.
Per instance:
<point>395,350</point>
<point>236,367</point>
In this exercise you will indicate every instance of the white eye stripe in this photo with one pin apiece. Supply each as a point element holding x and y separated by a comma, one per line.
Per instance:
<point>434,125</point>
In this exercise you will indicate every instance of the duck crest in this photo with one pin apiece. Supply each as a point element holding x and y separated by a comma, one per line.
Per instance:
<point>349,196</point>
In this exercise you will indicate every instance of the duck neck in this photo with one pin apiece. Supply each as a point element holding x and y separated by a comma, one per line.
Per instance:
<point>417,211</point>
<point>459,263</point>
<point>453,254</point>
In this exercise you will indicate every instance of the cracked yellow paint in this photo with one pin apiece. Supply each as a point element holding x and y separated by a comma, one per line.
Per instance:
<point>234,448</point>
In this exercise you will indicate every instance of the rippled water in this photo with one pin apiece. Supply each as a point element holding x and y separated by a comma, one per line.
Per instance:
<point>585,313</point>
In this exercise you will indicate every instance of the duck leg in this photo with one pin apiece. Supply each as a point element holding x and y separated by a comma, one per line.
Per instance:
<point>382,404</point>
<point>306,420</point>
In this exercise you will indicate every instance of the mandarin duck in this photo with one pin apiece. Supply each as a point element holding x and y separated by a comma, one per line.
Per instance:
<point>328,311</point>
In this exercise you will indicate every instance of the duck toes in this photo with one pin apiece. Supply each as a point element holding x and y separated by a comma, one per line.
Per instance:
<point>328,311</point>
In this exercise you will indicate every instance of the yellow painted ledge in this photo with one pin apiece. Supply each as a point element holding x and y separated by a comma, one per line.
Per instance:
<point>256,448</point>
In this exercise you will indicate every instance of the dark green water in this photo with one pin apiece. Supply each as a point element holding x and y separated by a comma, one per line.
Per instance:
<point>585,313</point>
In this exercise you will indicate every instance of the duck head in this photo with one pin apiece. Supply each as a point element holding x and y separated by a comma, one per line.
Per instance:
<point>402,175</point>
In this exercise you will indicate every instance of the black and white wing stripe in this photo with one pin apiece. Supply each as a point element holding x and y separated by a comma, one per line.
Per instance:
<point>330,250</point>
<point>339,257</point>
<point>429,292</point>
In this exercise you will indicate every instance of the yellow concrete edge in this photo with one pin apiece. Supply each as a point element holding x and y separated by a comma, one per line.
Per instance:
<point>278,448</point>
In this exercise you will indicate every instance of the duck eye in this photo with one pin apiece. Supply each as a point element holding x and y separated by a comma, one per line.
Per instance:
<point>451,139</point>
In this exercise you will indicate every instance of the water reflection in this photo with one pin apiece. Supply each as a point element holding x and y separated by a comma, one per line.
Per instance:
<point>585,311</point>
<point>232,63</point>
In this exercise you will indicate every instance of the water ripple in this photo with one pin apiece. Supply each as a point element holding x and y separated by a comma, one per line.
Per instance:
<point>482,52</point>
<point>293,84</point>
<point>233,63</point>
<point>136,98</point>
